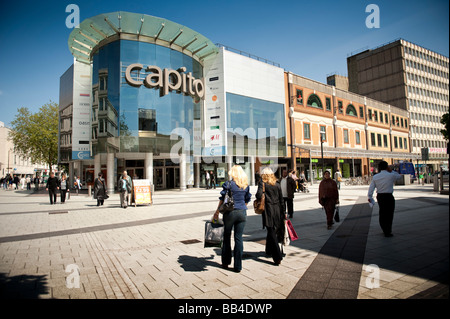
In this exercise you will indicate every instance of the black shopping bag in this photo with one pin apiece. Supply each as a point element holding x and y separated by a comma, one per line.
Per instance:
<point>336,214</point>
<point>213,234</point>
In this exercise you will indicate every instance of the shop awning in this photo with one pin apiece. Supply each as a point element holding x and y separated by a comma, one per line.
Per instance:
<point>93,31</point>
<point>355,153</point>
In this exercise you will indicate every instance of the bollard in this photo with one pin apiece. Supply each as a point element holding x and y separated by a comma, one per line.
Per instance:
<point>435,183</point>
<point>89,190</point>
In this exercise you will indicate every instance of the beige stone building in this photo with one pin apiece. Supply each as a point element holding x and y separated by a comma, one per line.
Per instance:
<point>13,163</point>
<point>412,78</point>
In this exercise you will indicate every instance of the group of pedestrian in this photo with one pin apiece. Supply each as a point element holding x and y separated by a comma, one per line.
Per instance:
<point>273,218</point>
<point>54,185</point>
<point>279,195</point>
<point>124,185</point>
<point>15,182</point>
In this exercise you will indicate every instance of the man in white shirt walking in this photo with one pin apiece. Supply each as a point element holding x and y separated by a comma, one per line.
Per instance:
<point>384,183</point>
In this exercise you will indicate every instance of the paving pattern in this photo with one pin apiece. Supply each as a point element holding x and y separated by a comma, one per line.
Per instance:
<point>78,250</point>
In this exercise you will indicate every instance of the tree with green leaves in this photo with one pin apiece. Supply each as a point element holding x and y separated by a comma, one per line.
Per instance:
<point>36,135</point>
<point>445,121</point>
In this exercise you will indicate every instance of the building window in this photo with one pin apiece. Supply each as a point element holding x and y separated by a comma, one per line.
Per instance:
<point>346,136</point>
<point>361,112</point>
<point>395,142</point>
<point>370,114</point>
<point>314,101</point>
<point>147,120</point>
<point>405,144</point>
<point>357,137</point>
<point>328,104</point>
<point>323,133</point>
<point>351,110</point>
<point>400,141</point>
<point>381,117</point>
<point>386,118</point>
<point>372,139</point>
<point>385,140</point>
<point>379,140</point>
<point>299,95</point>
<point>340,107</point>
<point>375,116</point>
<point>306,131</point>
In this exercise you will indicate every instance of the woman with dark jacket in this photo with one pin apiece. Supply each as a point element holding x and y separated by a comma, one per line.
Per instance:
<point>328,196</point>
<point>273,215</point>
<point>100,189</point>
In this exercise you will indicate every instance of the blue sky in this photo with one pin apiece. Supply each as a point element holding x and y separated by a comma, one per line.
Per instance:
<point>309,38</point>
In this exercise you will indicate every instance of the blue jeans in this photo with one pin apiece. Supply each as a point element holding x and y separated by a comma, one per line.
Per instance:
<point>236,219</point>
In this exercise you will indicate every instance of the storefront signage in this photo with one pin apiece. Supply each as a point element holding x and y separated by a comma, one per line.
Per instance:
<point>142,192</point>
<point>167,80</point>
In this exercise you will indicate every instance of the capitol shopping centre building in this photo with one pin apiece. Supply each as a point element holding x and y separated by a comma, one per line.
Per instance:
<point>163,102</point>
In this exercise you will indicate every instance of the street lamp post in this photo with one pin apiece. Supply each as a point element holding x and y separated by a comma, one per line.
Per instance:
<point>321,152</point>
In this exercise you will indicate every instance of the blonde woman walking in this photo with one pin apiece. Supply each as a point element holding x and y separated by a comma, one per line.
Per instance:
<point>273,216</point>
<point>235,219</point>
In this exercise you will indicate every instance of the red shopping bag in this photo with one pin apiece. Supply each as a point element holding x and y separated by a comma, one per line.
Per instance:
<point>292,234</point>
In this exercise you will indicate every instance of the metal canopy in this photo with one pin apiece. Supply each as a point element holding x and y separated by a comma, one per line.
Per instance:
<point>93,31</point>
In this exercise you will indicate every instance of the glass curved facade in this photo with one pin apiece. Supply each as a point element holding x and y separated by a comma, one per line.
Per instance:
<point>127,118</point>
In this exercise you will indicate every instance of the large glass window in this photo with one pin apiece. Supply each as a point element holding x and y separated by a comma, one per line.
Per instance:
<point>306,131</point>
<point>139,119</point>
<point>299,96</point>
<point>351,110</point>
<point>346,138</point>
<point>372,139</point>
<point>323,133</point>
<point>260,123</point>
<point>328,104</point>
<point>314,101</point>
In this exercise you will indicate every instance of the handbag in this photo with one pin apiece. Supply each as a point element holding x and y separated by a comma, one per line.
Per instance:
<point>292,234</point>
<point>286,240</point>
<point>228,202</point>
<point>259,204</point>
<point>213,234</point>
<point>336,214</point>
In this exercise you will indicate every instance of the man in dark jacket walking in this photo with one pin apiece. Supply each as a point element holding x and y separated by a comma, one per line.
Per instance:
<point>288,187</point>
<point>52,186</point>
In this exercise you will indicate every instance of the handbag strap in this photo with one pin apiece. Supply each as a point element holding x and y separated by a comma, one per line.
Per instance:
<point>230,193</point>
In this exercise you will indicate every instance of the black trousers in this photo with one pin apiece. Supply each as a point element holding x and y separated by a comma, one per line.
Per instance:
<point>63,195</point>
<point>289,203</point>
<point>386,204</point>
<point>272,247</point>
<point>52,194</point>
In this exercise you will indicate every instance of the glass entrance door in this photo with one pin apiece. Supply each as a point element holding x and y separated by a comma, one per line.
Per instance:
<point>158,178</point>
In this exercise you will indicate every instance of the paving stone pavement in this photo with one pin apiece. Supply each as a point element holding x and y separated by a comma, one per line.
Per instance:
<point>79,251</point>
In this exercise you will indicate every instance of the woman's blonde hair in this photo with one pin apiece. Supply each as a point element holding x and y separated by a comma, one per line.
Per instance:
<point>268,176</point>
<point>239,177</point>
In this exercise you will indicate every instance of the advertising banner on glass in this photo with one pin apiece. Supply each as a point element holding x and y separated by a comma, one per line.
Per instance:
<point>81,111</point>
<point>215,117</point>
<point>142,192</point>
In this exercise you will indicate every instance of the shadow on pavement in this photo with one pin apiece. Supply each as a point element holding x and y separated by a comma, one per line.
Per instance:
<point>419,247</point>
<point>23,286</point>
